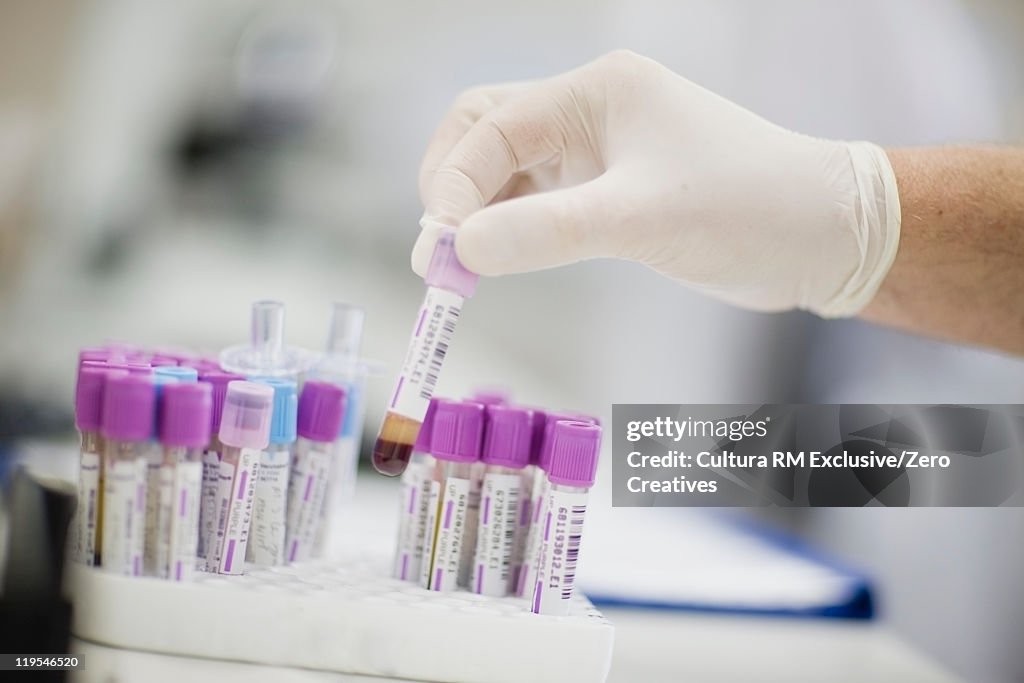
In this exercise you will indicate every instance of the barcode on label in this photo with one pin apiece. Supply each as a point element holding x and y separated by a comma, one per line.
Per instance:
<point>444,338</point>
<point>509,533</point>
<point>572,551</point>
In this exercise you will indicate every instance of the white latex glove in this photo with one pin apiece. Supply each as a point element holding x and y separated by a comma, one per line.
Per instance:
<point>623,158</point>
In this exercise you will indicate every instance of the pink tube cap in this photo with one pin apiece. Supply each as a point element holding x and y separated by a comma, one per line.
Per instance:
<point>248,408</point>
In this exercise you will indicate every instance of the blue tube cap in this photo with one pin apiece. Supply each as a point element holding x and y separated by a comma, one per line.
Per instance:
<point>175,373</point>
<point>284,422</point>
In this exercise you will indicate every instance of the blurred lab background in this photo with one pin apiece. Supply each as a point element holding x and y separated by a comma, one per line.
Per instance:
<point>163,165</point>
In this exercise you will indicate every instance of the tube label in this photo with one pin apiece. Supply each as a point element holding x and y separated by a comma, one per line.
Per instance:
<point>560,549</point>
<point>306,492</point>
<point>163,495</point>
<point>341,486</point>
<point>450,535</point>
<point>476,484</point>
<point>523,515</point>
<point>88,508</point>
<point>432,489</point>
<point>499,521</point>
<point>152,533</point>
<point>234,511</point>
<point>183,532</point>
<point>435,325</point>
<point>124,516</point>
<point>267,535</point>
<point>208,505</point>
<point>531,552</point>
<point>410,523</point>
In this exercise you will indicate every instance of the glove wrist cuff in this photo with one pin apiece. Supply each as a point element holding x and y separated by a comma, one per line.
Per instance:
<point>876,226</point>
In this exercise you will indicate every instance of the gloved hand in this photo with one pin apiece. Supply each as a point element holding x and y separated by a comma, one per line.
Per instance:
<point>623,158</point>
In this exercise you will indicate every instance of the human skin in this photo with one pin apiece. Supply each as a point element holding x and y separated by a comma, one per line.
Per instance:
<point>959,271</point>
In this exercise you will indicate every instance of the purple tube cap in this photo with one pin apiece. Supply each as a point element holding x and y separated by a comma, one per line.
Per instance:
<point>422,444</point>
<point>547,441</point>
<point>457,432</point>
<point>445,269</point>
<point>128,407</point>
<point>574,454</point>
<point>508,436</point>
<point>321,411</point>
<point>185,414</point>
<point>89,398</point>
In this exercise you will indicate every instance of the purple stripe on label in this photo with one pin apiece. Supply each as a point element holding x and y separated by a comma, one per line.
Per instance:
<point>295,549</point>
<point>536,598</point>
<point>448,515</point>
<point>309,488</point>
<point>487,508</point>
<point>181,504</point>
<point>479,578</point>
<point>241,484</point>
<point>536,511</point>
<point>547,527</point>
<point>437,580</point>
<point>140,497</point>
<point>229,555</point>
<point>521,581</point>
<point>419,325</point>
<point>398,390</point>
<point>524,512</point>
<point>136,566</point>
<point>412,499</point>
<point>405,565</point>
<point>177,570</point>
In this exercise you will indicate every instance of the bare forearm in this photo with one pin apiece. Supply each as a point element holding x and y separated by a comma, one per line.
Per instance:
<point>959,272</point>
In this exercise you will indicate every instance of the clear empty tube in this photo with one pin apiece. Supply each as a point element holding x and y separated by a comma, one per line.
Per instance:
<point>449,284</point>
<point>266,354</point>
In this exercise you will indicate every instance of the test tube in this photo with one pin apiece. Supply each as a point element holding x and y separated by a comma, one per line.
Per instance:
<point>127,427</point>
<point>506,451</point>
<point>88,414</point>
<point>266,354</point>
<point>456,435</point>
<point>244,432</point>
<point>449,284</point>
<point>341,365</point>
<point>267,532</point>
<point>184,431</point>
<point>538,498</point>
<point>570,476</point>
<point>218,382</point>
<point>159,477</point>
<point>412,514</point>
<point>321,411</point>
